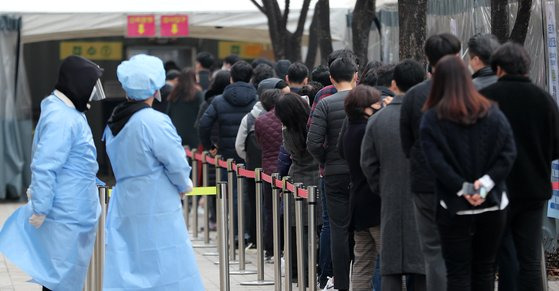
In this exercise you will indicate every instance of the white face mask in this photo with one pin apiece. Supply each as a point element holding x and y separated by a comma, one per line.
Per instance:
<point>97,94</point>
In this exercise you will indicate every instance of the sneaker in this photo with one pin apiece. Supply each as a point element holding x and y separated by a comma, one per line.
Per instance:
<point>269,259</point>
<point>329,285</point>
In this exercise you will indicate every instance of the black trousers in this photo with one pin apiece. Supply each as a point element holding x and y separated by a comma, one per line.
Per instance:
<point>470,244</point>
<point>337,192</point>
<point>520,255</point>
<point>46,289</point>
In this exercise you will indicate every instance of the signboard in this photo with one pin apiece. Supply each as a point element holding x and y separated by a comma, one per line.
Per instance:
<point>93,50</point>
<point>551,31</point>
<point>244,50</point>
<point>553,84</point>
<point>174,26</point>
<point>141,26</point>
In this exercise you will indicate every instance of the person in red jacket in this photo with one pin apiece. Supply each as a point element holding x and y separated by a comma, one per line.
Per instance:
<point>267,128</point>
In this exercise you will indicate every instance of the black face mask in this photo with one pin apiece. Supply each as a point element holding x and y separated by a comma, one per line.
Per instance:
<point>76,79</point>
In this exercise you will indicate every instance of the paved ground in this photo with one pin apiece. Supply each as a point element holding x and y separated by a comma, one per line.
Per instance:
<point>12,279</point>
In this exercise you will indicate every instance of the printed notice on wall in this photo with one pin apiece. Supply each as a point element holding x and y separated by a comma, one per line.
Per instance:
<point>553,84</point>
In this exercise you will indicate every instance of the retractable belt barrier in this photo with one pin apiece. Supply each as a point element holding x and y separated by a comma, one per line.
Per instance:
<point>281,188</point>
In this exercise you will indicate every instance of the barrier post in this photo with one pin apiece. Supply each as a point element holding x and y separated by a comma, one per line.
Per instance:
<point>287,196</point>
<point>231,210</point>
<point>206,238</point>
<point>194,199</point>
<point>277,232</point>
<point>224,283</point>
<point>240,224</point>
<point>100,240</point>
<point>312,237</point>
<point>299,236</point>
<point>259,235</point>
<point>94,279</point>
<point>207,204</point>
<point>217,169</point>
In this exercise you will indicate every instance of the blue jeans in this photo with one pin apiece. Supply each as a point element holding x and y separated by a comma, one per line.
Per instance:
<point>376,277</point>
<point>324,257</point>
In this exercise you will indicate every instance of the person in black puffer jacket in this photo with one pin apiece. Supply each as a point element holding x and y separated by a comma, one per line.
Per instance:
<point>322,141</point>
<point>228,110</point>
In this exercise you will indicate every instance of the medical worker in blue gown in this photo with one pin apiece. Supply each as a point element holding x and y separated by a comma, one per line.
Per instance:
<point>51,238</point>
<point>147,243</point>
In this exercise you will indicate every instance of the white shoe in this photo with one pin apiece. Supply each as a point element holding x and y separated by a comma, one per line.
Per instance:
<point>329,285</point>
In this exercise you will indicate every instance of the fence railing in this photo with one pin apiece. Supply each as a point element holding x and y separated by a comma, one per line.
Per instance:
<point>225,218</point>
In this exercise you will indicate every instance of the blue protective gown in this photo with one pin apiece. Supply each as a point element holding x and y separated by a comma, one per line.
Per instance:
<point>63,187</point>
<point>147,243</point>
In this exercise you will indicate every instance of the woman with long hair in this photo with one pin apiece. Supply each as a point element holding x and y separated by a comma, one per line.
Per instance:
<point>293,112</point>
<point>469,145</point>
<point>360,104</point>
<point>183,106</point>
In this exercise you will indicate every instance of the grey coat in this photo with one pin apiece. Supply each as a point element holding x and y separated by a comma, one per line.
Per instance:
<point>322,139</point>
<point>303,170</point>
<point>388,173</point>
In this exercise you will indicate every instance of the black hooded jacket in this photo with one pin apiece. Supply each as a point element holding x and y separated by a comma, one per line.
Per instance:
<point>76,79</point>
<point>122,113</point>
<point>227,110</point>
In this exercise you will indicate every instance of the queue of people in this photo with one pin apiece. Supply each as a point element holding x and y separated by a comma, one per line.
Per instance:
<point>431,180</point>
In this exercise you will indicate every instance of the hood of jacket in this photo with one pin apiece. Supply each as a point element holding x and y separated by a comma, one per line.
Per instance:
<point>240,94</point>
<point>257,109</point>
<point>122,113</point>
<point>76,78</point>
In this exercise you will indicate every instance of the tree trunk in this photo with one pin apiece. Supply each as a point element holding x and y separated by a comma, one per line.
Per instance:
<point>325,37</point>
<point>500,19</point>
<point>313,39</point>
<point>276,30</point>
<point>412,19</point>
<point>522,21</point>
<point>362,19</point>
<point>286,44</point>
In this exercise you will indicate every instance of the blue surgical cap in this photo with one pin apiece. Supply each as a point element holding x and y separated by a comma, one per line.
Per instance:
<point>141,76</point>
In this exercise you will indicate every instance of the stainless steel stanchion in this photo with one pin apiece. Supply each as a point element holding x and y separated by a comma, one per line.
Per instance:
<point>94,279</point>
<point>231,210</point>
<point>205,183</point>
<point>299,229</point>
<point>259,235</point>
<point>207,204</point>
<point>312,237</point>
<point>277,232</point>
<point>241,225</point>
<point>196,203</point>
<point>100,240</point>
<point>194,208</point>
<point>287,196</point>
<point>224,283</point>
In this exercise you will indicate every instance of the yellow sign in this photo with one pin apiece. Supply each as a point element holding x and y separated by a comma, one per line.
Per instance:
<point>245,50</point>
<point>93,50</point>
<point>203,191</point>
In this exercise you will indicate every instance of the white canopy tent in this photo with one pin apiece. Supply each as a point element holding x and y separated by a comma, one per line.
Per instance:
<point>237,20</point>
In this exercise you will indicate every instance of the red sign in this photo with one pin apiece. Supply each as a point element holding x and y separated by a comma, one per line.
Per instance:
<point>174,25</point>
<point>141,26</point>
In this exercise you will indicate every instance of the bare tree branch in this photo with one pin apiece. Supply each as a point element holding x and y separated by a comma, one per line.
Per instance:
<point>286,12</point>
<point>258,6</point>
<point>302,18</point>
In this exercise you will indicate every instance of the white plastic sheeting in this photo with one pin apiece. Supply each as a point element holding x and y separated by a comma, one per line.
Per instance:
<point>15,113</point>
